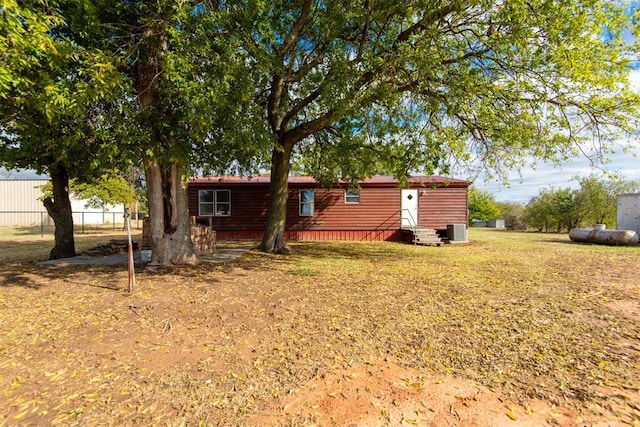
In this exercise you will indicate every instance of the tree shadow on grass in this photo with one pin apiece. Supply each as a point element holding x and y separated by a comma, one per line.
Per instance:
<point>255,260</point>
<point>113,277</point>
<point>18,279</point>
<point>354,251</point>
<point>37,276</point>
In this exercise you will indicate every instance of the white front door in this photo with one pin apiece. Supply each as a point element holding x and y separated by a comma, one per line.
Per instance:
<point>409,205</point>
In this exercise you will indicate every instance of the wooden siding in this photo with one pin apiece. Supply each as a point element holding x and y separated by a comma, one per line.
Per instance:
<point>248,207</point>
<point>376,217</point>
<point>302,235</point>
<point>377,210</point>
<point>440,207</point>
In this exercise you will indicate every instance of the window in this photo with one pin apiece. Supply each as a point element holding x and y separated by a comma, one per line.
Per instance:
<point>223,202</point>
<point>306,202</point>
<point>214,202</point>
<point>352,197</point>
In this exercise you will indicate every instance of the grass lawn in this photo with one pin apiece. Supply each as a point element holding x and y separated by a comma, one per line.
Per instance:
<point>28,244</point>
<point>511,329</point>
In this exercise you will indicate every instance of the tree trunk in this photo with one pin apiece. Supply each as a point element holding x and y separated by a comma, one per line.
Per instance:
<point>169,222</point>
<point>60,210</point>
<point>273,240</point>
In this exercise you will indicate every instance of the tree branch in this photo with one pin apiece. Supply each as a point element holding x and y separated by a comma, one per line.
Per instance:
<point>273,103</point>
<point>300,106</point>
<point>302,71</point>
<point>290,40</point>
<point>427,19</point>
<point>302,131</point>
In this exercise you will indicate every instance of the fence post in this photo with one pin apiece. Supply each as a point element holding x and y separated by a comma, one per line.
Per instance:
<point>82,216</point>
<point>41,224</point>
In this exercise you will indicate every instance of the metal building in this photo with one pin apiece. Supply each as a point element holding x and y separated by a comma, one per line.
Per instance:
<point>628,213</point>
<point>20,204</point>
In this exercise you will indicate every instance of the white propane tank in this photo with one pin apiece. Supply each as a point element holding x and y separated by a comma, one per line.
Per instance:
<point>604,237</point>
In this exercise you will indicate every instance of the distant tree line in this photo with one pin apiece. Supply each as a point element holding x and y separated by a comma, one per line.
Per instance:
<point>556,209</point>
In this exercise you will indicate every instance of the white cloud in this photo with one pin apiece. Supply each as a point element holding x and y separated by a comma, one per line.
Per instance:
<point>527,185</point>
<point>523,188</point>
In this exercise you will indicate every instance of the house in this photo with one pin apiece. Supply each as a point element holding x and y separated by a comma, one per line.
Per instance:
<point>379,209</point>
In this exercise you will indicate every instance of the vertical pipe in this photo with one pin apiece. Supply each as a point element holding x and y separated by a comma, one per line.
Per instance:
<point>132,273</point>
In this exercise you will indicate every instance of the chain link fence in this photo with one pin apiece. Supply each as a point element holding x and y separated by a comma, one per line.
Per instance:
<point>83,221</point>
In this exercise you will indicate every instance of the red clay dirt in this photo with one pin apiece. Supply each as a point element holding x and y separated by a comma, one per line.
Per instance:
<point>382,393</point>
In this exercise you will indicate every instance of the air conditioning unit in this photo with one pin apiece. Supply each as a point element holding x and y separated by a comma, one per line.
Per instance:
<point>457,232</point>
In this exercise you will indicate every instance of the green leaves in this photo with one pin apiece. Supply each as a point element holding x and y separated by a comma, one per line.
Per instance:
<point>594,202</point>
<point>106,190</point>
<point>24,42</point>
<point>482,206</point>
<point>509,81</point>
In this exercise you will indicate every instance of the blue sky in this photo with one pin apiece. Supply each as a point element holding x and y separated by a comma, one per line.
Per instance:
<point>530,181</point>
<point>527,185</point>
<point>523,187</point>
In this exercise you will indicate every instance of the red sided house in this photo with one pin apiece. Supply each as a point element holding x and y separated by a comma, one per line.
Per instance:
<point>236,207</point>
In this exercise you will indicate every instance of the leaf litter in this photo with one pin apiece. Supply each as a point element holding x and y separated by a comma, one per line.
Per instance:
<point>337,333</point>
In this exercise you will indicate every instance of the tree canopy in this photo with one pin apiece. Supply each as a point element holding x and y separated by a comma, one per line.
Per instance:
<point>600,197</point>
<point>482,206</point>
<point>25,41</point>
<point>422,85</point>
<point>593,202</point>
<point>54,117</point>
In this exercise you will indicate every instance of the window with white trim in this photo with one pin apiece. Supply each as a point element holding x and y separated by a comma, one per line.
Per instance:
<point>307,200</point>
<point>352,197</point>
<point>214,202</point>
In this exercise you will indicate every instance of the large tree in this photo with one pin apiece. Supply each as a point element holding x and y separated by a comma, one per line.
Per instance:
<point>184,89</point>
<point>494,81</point>
<point>164,148</point>
<point>188,84</point>
<point>482,206</point>
<point>55,101</point>
<point>600,197</point>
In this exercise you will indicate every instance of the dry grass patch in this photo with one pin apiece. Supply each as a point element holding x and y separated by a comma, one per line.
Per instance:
<point>27,244</point>
<point>529,317</point>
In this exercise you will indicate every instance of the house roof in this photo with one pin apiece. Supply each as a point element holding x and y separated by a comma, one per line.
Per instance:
<point>375,181</point>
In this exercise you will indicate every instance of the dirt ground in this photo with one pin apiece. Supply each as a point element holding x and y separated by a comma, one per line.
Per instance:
<point>259,341</point>
<point>380,393</point>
